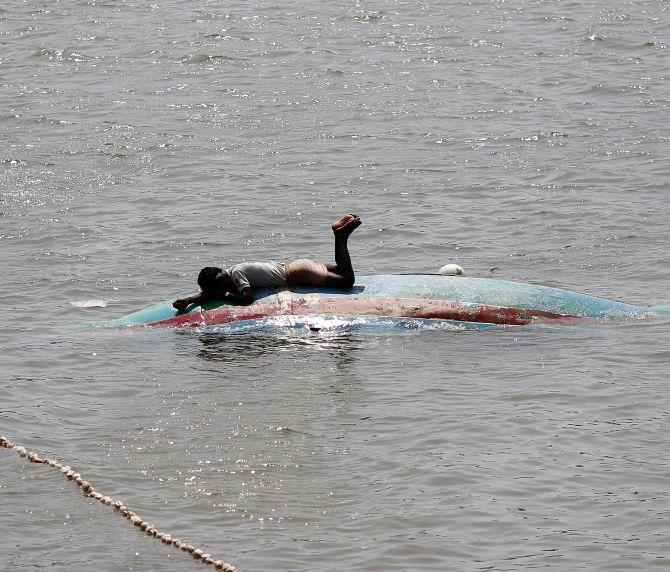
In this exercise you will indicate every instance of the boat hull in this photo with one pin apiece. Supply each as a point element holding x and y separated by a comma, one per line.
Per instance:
<point>422,297</point>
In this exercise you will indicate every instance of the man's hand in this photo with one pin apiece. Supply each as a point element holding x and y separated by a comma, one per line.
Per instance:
<point>181,304</point>
<point>184,303</point>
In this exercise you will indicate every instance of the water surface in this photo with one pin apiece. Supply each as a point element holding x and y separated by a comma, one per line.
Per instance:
<point>525,141</point>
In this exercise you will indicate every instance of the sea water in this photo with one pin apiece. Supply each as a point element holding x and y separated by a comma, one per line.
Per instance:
<point>525,141</point>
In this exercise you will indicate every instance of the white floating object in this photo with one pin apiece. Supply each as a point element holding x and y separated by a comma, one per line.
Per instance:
<point>452,270</point>
<point>90,304</point>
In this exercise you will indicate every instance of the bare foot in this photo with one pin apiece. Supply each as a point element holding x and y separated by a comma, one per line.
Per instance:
<point>346,225</point>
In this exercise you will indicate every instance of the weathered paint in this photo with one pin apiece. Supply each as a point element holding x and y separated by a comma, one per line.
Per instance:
<point>361,306</point>
<point>475,300</point>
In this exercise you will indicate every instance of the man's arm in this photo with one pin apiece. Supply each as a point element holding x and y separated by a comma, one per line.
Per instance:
<point>245,298</point>
<point>184,303</point>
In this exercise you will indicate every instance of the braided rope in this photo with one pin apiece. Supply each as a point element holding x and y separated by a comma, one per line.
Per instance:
<point>143,525</point>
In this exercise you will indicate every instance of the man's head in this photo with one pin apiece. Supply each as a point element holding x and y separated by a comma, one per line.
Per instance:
<point>207,279</point>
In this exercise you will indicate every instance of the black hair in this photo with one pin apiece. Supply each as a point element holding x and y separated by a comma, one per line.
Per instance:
<point>206,278</point>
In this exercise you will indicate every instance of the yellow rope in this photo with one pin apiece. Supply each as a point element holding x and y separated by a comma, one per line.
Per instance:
<point>90,492</point>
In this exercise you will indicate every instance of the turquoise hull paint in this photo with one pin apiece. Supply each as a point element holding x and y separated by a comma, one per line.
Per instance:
<point>458,289</point>
<point>487,291</point>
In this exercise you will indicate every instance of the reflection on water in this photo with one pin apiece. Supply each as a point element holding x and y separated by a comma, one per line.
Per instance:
<point>340,336</point>
<point>224,347</point>
<point>333,358</point>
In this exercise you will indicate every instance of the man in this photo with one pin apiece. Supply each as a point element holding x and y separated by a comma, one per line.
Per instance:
<point>236,283</point>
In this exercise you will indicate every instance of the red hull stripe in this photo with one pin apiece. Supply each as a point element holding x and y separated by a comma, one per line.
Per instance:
<point>361,306</point>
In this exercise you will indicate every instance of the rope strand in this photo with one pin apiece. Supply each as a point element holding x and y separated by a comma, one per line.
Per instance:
<point>88,490</point>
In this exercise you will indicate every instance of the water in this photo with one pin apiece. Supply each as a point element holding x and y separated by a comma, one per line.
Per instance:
<point>140,142</point>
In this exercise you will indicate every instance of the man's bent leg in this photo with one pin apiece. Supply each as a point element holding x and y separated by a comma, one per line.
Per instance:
<point>342,274</point>
<point>306,272</point>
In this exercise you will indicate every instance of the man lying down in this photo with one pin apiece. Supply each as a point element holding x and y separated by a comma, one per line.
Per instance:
<point>237,282</point>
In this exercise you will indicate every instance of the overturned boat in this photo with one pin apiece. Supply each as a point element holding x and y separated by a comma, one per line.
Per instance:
<point>462,301</point>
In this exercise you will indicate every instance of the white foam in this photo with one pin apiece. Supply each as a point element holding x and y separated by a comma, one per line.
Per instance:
<point>89,304</point>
